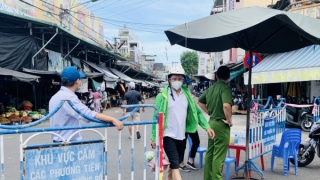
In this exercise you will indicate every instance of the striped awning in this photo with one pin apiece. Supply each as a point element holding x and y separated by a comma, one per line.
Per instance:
<point>294,66</point>
<point>121,75</point>
<point>100,69</point>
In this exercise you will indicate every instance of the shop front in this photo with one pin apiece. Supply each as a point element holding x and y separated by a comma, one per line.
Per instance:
<point>293,75</point>
<point>18,97</point>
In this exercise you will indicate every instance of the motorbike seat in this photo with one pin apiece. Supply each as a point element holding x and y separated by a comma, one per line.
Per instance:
<point>292,110</point>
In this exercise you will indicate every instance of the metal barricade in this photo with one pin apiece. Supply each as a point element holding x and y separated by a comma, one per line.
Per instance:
<point>267,123</point>
<point>78,160</point>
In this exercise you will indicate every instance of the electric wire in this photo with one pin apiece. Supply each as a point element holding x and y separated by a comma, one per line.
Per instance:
<point>107,19</point>
<point>106,6</point>
<point>193,8</point>
<point>73,26</point>
<point>134,28</point>
<point>135,8</point>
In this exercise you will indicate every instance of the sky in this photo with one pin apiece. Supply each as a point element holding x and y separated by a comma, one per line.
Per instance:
<point>148,19</point>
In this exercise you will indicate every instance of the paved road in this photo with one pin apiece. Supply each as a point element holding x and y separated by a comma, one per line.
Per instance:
<point>11,143</point>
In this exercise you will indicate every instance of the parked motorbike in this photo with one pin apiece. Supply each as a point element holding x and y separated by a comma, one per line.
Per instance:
<point>299,117</point>
<point>309,147</point>
<point>88,101</point>
<point>240,100</point>
<point>198,94</point>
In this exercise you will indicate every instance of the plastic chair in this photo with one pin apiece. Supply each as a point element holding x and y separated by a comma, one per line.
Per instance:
<point>228,161</point>
<point>287,149</point>
<point>200,150</point>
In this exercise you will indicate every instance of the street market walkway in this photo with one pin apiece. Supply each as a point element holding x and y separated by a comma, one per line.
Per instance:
<point>11,143</point>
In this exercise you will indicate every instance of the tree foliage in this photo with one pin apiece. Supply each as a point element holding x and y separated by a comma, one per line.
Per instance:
<point>189,62</point>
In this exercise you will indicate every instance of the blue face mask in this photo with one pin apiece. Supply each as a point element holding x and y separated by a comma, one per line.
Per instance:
<point>79,88</point>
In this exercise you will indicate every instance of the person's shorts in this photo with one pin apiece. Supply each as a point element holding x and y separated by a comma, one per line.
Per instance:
<point>174,150</point>
<point>134,118</point>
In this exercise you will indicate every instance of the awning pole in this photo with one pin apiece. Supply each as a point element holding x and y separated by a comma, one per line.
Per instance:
<point>99,59</point>
<point>68,46</point>
<point>34,95</point>
<point>252,91</point>
<point>44,47</point>
<point>30,27</point>
<point>121,68</point>
<point>136,75</point>
<point>61,50</point>
<point>73,49</point>
<point>42,33</point>
<point>17,95</point>
<point>61,44</point>
<point>126,70</point>
<point>86,51</point>
<point>39,95</point>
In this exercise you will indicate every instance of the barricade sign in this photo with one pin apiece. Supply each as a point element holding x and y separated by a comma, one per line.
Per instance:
<point>265,129</point>
<point>83,159</point>
<point>269,131</point>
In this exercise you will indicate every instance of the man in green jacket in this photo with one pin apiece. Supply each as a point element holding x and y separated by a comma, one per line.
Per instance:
<point>181,115</point>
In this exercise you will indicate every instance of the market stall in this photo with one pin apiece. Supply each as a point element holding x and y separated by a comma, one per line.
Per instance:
<point>10,83</point>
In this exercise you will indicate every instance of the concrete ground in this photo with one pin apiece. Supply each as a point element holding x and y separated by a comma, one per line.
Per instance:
<point>11,158</point>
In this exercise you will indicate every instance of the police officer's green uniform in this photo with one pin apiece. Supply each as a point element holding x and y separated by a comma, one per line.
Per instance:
<point>214,98</point>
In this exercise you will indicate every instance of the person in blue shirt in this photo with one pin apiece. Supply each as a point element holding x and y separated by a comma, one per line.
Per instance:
<point>66,116</point>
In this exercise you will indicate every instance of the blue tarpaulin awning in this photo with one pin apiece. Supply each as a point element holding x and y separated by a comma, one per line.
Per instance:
<point>234,74</point>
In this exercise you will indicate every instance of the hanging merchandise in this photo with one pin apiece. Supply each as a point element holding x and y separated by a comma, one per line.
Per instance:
<point>103,86</point>
<point>56,62</point>
<point>110,85</point>
<point>95,85</point>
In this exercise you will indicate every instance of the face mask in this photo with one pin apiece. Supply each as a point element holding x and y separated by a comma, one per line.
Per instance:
<point>176,85</point>
<point>79,88</point>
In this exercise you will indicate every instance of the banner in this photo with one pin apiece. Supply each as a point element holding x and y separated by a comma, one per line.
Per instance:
<point>19,6</point>
<point>68,14</point>
<point>287,75</point>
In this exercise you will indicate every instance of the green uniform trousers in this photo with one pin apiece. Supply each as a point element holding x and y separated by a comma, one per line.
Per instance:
<point>217,150</point>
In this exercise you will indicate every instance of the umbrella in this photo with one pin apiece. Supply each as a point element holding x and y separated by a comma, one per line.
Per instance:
<point>254,29</point>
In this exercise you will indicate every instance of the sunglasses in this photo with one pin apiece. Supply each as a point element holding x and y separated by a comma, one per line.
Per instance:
<point>177,79</point>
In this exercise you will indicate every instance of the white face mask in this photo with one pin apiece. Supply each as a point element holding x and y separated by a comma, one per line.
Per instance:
<point>176,85</point>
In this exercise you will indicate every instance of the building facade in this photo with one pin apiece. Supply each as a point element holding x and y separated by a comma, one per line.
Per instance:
<point>205,63</point>
<point>132,48</point>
